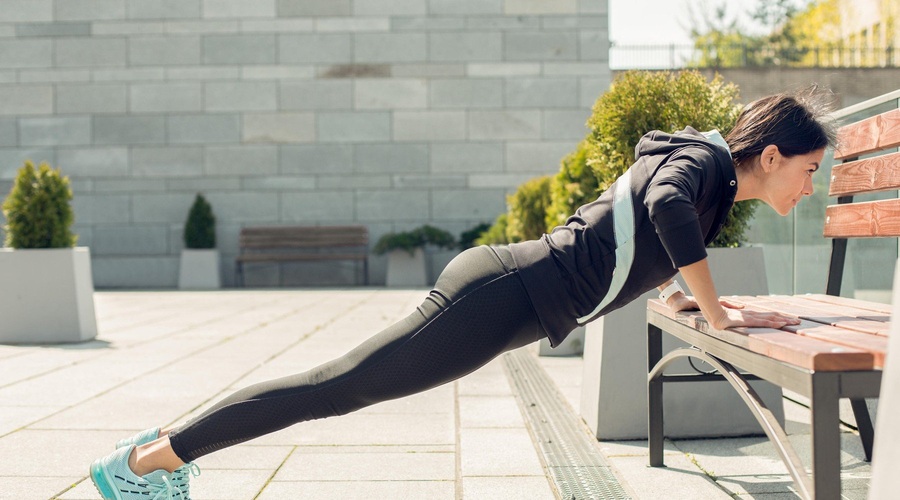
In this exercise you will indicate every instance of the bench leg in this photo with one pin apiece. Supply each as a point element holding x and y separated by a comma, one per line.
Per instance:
<point>826,438</point>
<point>655,431</point>
<point>863,425</point>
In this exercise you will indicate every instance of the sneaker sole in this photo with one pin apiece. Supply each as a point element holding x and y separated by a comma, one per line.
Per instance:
<point>103,482</point>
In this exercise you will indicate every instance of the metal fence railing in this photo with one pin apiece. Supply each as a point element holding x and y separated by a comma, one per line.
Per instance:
<point>675,56</point>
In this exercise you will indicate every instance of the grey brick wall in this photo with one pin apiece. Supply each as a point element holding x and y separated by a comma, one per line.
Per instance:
<point>389,113</point>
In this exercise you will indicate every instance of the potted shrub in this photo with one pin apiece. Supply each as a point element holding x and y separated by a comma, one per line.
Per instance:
<point>406,254</point>
<point>47,292</point>
<point>199,268</point>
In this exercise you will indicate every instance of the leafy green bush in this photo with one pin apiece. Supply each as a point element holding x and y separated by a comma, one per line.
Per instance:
<point>572,187</point>
<point>496,234</point>
<point>200,228</point>
<point>636,103</point>
<point>640,101</point>
<point>417,238</point>
<point>38,210</point>
<point>527,210</point>
<point>469,238</point>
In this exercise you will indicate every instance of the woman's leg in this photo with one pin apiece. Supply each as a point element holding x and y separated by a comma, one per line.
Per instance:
<point>477,310</point>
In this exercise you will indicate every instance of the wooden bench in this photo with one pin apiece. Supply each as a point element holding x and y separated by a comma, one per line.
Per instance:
<point>839,348</point>
<point>302,244</point>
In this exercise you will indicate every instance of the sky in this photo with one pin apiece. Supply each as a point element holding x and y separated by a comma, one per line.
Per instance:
<point>652,22</point>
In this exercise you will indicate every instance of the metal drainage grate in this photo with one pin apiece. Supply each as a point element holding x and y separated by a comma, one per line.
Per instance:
<point>569,454</point>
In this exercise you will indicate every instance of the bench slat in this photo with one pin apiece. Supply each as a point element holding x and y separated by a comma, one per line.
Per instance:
<point>868,219</point>
<point>871,175</point>
<point>798,350</point>
<point>270,257</point>
<point>871,134</point>
<point>838,316</point>
<point>875,307</point>
<point>303,237</point>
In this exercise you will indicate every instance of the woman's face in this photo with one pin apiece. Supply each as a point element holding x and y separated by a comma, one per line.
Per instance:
<point>789,179</point>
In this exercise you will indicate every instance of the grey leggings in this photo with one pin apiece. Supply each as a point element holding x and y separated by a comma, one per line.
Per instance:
<point>477,310</point>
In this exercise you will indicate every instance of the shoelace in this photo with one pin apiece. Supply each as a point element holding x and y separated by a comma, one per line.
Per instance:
<point>181,479</point>
<point>165,491</point>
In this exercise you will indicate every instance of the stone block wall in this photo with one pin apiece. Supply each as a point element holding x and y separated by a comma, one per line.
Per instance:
<point>388,113</point>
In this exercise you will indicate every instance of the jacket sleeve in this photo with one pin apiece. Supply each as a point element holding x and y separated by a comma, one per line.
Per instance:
<point>672,198</point>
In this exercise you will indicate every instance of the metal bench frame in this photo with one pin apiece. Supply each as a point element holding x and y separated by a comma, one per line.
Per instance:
<point>823,389</point>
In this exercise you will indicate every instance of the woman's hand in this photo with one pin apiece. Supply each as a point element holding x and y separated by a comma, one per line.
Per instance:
<point>734,314</point>
<point>768,319</point>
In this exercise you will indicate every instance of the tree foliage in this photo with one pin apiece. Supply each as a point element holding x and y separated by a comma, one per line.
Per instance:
<point>38,210</point>
<point>794,30</point>
<point>200,228</point>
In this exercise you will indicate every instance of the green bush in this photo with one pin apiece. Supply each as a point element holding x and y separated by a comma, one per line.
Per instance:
<point>528,209</point>
<point>572,187</point>
<point>200,228</point>
<point>636,103</point>
<point>38,210</point>
<point>417,238</point>
<point>496,234</point>
<point>469,238</point>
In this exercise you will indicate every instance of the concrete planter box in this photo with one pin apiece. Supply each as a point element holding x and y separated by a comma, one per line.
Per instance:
<point>199,270</point>
<point>614,386</point>
<point>46,296</point>
<point>406,270</point>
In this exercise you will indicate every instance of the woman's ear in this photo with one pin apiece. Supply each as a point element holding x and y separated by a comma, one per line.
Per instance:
<point>769,157</point>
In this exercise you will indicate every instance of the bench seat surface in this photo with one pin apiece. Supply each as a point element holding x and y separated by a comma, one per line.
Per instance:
<point>835,334</point>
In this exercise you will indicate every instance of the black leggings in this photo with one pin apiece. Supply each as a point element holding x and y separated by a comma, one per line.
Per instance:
<point>477,310</point>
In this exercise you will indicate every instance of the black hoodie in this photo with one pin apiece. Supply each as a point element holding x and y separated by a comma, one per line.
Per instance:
<point>666,208</point>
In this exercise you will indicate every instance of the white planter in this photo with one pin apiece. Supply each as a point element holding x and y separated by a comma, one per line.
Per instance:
<point>46,296</point>
<point>405,270</point>
<point>199,270</point>
<point>614,385</point>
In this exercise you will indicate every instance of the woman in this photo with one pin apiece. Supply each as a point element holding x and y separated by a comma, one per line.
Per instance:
<point>654,221</point>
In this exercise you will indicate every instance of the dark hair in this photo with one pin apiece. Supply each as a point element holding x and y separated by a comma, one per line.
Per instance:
<point>798,123</point>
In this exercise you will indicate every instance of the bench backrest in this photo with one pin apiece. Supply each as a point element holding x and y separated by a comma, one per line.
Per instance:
<point>856,176</point>
<point>304,237</point>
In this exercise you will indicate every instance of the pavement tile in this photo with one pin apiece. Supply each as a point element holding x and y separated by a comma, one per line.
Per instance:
<point>36,487</point>
<point>498,452</point>
<point>530,487</point>
<point>678,480</point>
<point>359,490</point>
<point>229,484</point>
<point>246,456</point>
<point>53,453</point>
<point>16,417</point>
<point>369,429</point>
<point>489,380</point>
<point>489,411</point>
<point>386,465</point>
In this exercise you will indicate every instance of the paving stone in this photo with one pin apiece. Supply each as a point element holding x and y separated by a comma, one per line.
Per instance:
<point>531,487</point>
<point>368,466</point>
<point>498,452</point>
<point>41,487</point>
<point>360,490</point>
<point>229,484</point>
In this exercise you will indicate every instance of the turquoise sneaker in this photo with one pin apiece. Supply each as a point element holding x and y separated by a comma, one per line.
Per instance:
<point>181,478</point>
<point>140,438</point>
<point>116,481</point>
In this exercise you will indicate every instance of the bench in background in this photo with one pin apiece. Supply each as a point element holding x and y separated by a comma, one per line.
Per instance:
<point>837,351</point>
<point>280,244</point>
